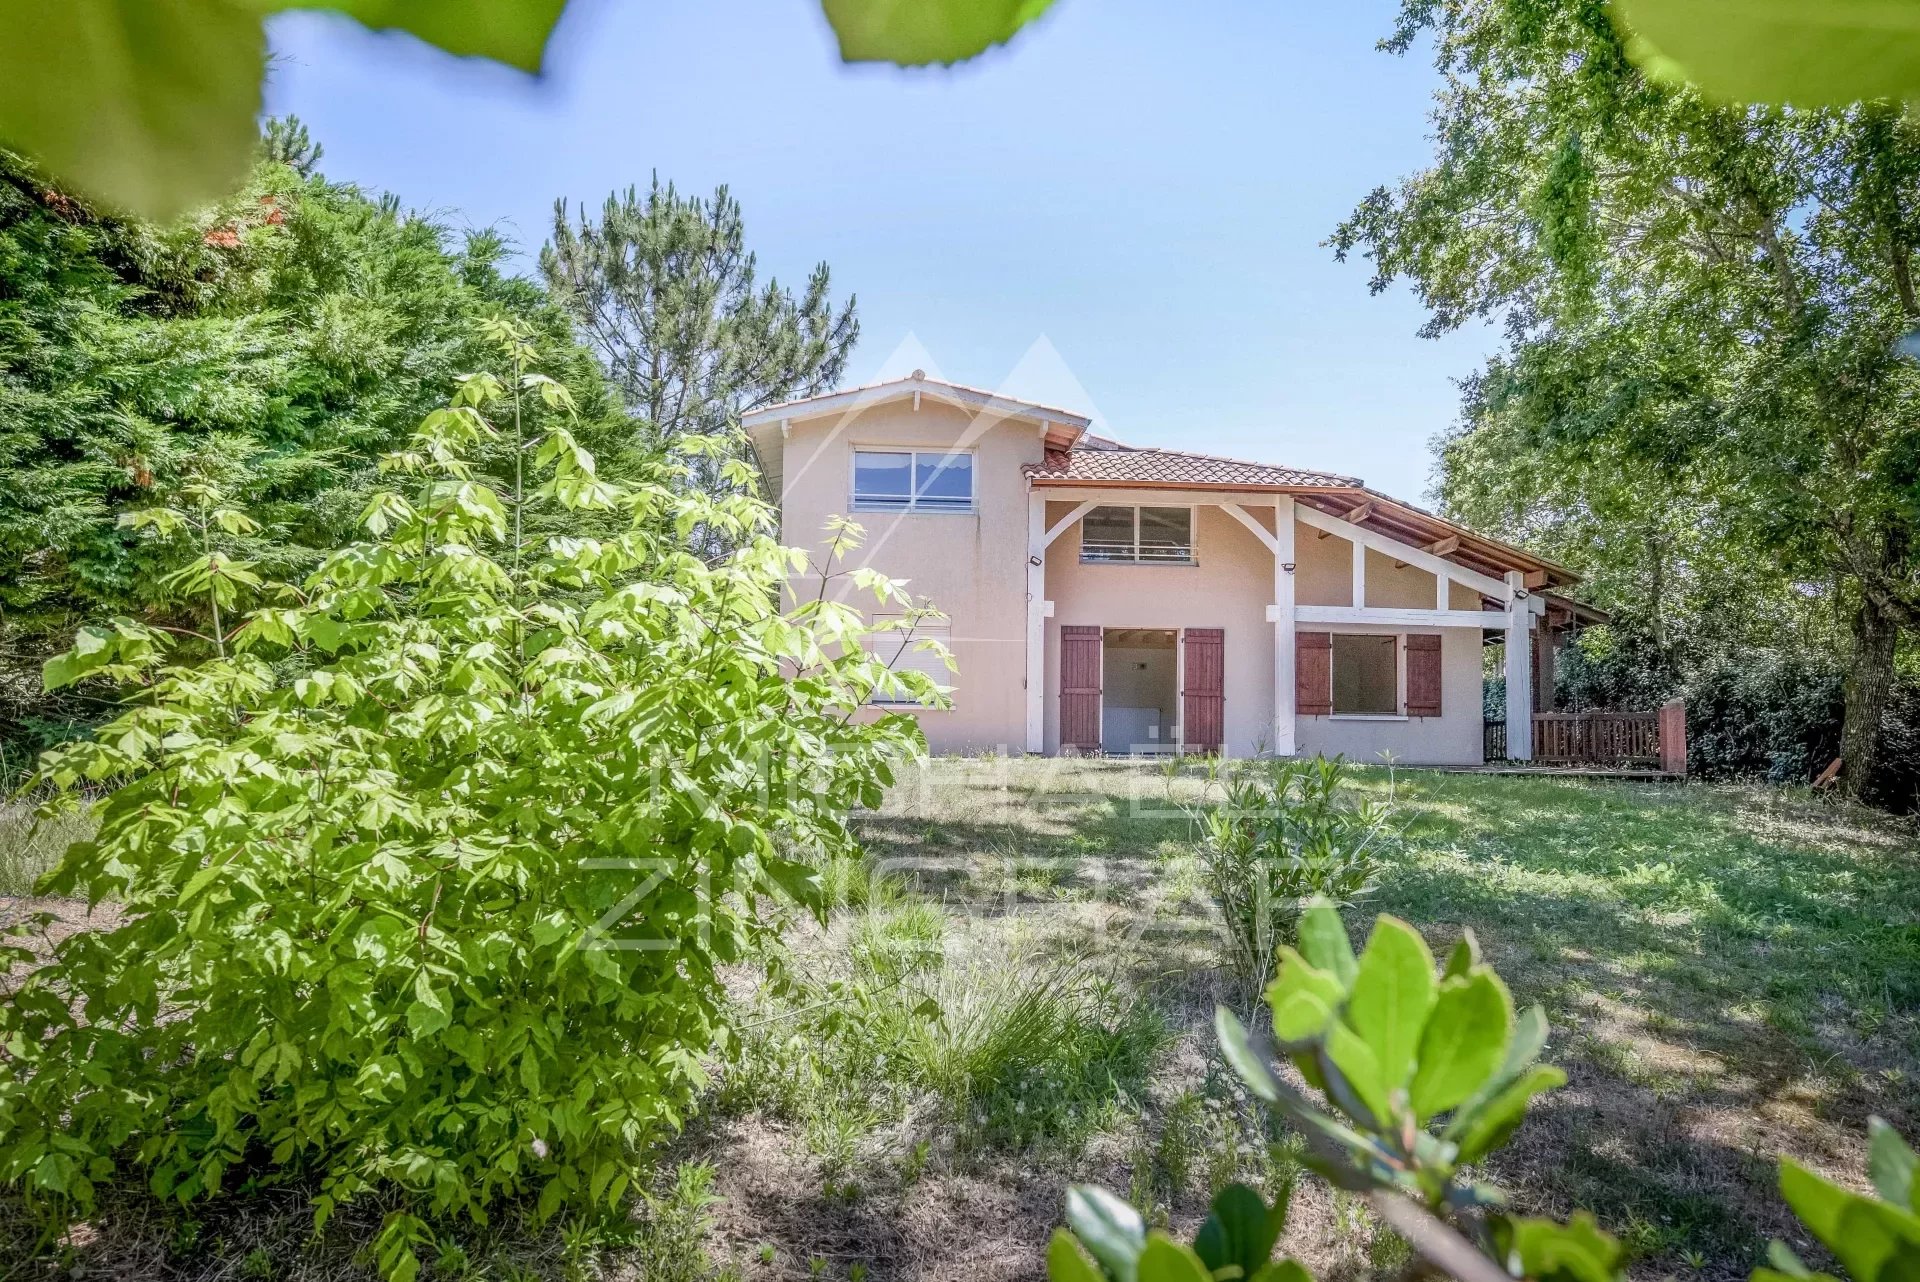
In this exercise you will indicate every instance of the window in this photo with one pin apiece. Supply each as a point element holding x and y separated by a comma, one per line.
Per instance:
<point>1136,535</point>
<point>885,646</point>
<point>912,481</point>
<point>1366,676</point>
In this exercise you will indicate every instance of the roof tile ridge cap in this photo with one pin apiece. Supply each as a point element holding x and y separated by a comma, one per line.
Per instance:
<point>1354,481</point>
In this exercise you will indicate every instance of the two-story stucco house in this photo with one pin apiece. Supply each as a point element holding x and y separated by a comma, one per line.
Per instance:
<point>1109,599</point>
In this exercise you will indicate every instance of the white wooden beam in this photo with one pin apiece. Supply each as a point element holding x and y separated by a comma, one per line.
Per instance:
<point>1036,677</point>
<point>1258,530</point>
<point>1485,585</point>
<point>1402,617</point>
<point>1442,592</point>
<point>1285,739</point>
<point>1519,669</point>
<point>1064,524</point>
<point>1359,573</point>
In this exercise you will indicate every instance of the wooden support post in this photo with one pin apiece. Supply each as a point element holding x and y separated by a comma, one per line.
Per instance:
<point>1036,620</point>
<point>1359,574</point>
<point>1545,651</point>
<point>1673,737</point>
<point>1285,743</point>
<point>1519,669</point>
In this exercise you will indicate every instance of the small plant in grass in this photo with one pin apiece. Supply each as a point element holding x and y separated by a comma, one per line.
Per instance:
<point>1422,1071</point>
<point>670,1242</point>
<point>1421,1074</point>
<point>430,867</point>
<point>1011,1050</point>
<point>1274,834</point>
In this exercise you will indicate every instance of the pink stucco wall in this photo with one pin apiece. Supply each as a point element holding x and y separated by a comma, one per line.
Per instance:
<point>974,566</point>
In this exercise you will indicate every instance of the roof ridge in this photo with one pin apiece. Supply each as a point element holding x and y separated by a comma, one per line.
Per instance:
<point>1228,458</point>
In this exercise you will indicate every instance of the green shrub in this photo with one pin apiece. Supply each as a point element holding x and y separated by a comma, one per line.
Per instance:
<point>1423,1071</point>
<point>1274,834</point>
<point>428,871</point>
<point>1421,1074</point>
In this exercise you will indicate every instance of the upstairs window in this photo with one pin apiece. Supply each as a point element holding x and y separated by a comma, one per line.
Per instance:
<point>912,481</point>
<point>1138,535</point>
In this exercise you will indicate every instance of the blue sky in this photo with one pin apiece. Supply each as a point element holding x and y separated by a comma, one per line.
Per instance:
<point>1122,212</point>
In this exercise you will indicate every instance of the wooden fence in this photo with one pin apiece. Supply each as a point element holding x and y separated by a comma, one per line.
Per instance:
<point>1602,740</point>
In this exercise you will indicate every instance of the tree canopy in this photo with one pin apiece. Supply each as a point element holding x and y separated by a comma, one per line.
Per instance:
<point>665,291</point>
<point>1704,307</point>
<point>273,345</point>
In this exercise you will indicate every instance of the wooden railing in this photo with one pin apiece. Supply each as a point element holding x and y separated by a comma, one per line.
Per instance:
<point>1596,738</point>
<point>1606,740</point>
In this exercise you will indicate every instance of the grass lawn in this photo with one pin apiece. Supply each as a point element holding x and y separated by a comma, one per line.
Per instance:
<point>1015,993</point>
<point>1731,974</point>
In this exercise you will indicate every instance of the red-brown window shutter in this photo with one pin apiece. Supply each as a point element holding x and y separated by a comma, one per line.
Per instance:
<point>1080,672</point>
<point>1204,698</point>
<point>1423,676</point>
<point>1313,673</point>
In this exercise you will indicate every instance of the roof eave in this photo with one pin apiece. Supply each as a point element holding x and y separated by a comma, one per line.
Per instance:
<point>1060,426</point>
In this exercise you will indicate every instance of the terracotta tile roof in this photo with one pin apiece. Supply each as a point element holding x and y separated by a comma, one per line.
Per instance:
<point>1174,467</point>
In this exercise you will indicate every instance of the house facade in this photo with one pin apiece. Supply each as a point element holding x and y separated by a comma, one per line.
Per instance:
<point>1104,598</point>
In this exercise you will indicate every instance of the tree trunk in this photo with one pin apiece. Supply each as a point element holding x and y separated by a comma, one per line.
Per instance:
<point>1869,683</point>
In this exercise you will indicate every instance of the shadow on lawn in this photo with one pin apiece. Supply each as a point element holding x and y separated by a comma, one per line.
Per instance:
<point>1731,976</point>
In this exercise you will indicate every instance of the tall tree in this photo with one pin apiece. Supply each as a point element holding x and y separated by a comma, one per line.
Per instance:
<point>1712,295</point>
<point>274,344</point>
<point>664,289</point>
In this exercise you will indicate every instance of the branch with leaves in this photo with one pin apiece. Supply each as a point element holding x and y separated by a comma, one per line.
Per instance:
<point>1423,1073</point>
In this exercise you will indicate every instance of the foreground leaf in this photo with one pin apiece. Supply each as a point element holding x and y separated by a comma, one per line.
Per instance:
<point>1892,1165</point>
<point>1863,1234</point>
<point>1241,1230</point>
<point>1464,1043</point>
<point>1392,993</point>
<point>1489,1126</point>
<point>1066,1262</point>
<point>1111,1230</point>
<point>1324,942</point>
<point>1828,53</point>
<point>511,31</point>
<point>1166,1260</point>
<point>148,105</point>
<point>915,33</point>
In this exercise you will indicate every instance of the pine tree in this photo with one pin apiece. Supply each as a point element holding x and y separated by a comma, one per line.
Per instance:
<point>663,288</point>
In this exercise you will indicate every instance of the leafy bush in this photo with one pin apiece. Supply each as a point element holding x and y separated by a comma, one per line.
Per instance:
<point>276,343</point>
<point>428,871</point>
<point>1422,1074</point>
<point>1274,834</point>
<point>1764,716</point>
<point>1756,714</point>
